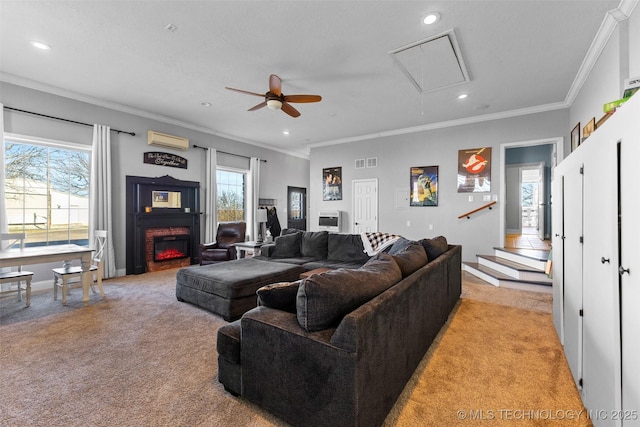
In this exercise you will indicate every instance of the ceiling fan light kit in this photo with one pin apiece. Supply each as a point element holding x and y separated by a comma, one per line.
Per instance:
<point>274,99</point>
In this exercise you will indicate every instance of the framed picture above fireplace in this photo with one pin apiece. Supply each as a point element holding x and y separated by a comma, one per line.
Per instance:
<point>165,199</point>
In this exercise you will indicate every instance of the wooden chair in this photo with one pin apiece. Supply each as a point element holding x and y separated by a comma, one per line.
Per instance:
<point>69,277</point>
<point>15,276</point>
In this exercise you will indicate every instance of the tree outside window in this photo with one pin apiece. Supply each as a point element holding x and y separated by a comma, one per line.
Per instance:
<point>47,193</point>
<point>231,200</point>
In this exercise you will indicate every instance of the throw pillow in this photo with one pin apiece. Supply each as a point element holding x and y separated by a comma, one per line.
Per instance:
<point>287,246</point>
<point>324,299</point>
<point>399,245</point>
<point>314,244</point>
<point>434,247</point>
<point>411,258</point>
<point>281,296</point>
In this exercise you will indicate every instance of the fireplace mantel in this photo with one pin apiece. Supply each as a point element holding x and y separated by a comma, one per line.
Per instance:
<point>139,196</point>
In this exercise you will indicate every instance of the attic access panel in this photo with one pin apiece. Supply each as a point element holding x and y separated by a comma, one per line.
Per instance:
<point>433,63</point>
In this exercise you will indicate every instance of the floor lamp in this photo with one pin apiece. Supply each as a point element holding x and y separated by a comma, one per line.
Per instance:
<point>261,218</point>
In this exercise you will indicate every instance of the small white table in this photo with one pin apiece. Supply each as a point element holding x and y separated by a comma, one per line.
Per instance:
<point>244,247</point>
<point>45,254</point>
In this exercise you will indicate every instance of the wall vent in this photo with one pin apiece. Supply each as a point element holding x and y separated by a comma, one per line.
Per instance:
<point>360,163</point>
<point>372,162</point>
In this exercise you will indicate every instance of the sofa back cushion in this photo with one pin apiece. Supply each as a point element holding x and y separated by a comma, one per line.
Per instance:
<point>346,247</point>
<point>411,258</point>
<point>287,246</point>
<point>324,299</point>
<point>314,244</point>
<point>434,247</point>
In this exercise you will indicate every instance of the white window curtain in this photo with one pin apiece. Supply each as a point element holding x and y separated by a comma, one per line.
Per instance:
<point>252,197</point>
<point>4,222</point>
<point>210,209</point>
<point>100,215</point>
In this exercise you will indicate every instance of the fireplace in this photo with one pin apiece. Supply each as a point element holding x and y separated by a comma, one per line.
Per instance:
<point>161,237</point>
<point>166,248</point>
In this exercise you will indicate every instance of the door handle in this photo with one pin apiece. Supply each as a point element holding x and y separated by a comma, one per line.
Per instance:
<point>603,260</point>
<point>622,270</point>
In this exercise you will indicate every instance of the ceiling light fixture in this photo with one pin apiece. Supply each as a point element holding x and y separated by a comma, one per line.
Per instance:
<point>205,104</point>
<point>171,28</point>
<point>274,104</point>
<point>431,18</point>
<point>40,45</point>
<point>463,95</point>
<point>286,132</point>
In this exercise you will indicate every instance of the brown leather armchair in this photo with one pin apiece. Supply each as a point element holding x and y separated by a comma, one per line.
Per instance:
<point>223,249</point>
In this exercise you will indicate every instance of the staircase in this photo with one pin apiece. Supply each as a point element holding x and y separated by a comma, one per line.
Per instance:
<point>513,268</point>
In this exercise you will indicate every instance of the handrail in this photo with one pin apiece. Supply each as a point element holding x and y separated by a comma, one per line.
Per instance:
<point>468,214</point>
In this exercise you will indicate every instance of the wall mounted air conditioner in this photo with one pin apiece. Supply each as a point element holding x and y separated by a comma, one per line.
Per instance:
<point>167,141</point>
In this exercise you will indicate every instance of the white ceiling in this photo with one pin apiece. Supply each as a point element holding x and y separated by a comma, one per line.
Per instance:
<point>521,56</point>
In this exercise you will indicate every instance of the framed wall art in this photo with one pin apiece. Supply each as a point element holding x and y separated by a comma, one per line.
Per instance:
<point>423,186</point>
<point>332,183</point>
<point>575,137</point>
<point>474,170</point>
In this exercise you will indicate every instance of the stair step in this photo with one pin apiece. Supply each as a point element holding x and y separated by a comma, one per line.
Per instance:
<point>497,278</point>
<point>535,258</point>
<point>513,269</point>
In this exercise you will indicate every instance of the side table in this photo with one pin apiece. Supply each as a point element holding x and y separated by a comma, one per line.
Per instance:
<point>244,247</point>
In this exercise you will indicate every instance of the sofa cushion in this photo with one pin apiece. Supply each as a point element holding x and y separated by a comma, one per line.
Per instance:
<point>281,296</point>
<point>287,246</point>
<point>411,258</point>
<point>346,247</point>
<point>324,299</point>
<point>314,244</point>
<point>435,247</point>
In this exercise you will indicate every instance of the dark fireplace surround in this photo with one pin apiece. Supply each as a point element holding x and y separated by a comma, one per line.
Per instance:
<point>173,226</point>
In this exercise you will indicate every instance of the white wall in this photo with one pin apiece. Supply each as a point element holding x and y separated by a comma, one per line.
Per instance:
<point>430,148</point>
<point>279,171</point>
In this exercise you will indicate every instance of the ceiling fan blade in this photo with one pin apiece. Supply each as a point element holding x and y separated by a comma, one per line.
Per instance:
<point>302,98</point>
<point>245,91</point>
<point>290,110</point>
<point>275,85</point>
<point>259,106</point>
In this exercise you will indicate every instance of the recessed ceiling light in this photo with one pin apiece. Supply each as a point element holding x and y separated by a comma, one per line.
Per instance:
<point>170,28</point>
<point>431,18</point>
<point>40,45</point>
<point>205,104</point>
<point>286,132</point>
<point>463,95</point>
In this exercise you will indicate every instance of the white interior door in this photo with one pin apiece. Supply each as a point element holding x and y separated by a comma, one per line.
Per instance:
<point>542,202</point>
<point>365,205</point>
<point>557,191</point>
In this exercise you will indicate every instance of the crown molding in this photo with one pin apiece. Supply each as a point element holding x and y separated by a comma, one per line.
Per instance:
<point>450,123</point>
<point>32,84</point>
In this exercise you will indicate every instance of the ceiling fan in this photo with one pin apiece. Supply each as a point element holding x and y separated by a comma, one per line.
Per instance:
<point>276,100</point>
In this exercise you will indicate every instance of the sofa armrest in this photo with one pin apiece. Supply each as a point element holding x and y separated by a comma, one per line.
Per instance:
<point>210,245</point>
<point>267,249</point>
<point>296,375</point>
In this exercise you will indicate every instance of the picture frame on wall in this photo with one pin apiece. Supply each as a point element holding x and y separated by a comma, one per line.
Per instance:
<point>575,137</point>
<point>332,183</point>
<point>588,129</point>
<point>474,170</point>
<point>423,186</point>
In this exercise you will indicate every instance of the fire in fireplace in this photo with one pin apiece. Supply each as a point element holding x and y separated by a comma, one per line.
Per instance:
<point>171,247</point>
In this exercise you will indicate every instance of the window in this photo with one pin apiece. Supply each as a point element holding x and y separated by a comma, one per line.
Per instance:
<point>231,194</point>
<point>47,191</point>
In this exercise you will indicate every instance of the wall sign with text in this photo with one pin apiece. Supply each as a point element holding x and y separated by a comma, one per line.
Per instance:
<point>165,159</point>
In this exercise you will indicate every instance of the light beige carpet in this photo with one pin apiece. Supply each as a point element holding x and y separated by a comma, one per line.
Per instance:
<point>140,358</point>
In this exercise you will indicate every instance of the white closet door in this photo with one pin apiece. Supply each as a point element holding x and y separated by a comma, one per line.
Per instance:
<point>557,228</point>
<point>573,269</point>
<point>630,260</point>
<point>601,302</point>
